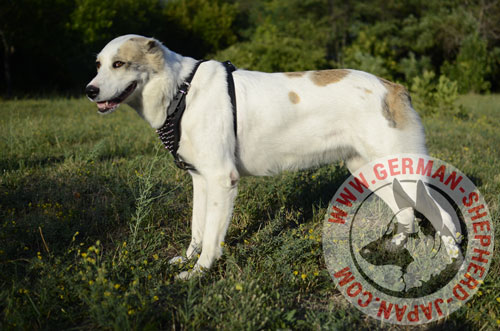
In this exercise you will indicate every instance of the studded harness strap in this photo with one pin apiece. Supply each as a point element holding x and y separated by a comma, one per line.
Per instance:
<point>170,132</point>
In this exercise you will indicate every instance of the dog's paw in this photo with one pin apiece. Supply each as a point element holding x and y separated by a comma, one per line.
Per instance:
<point>185,275</point>
<point>196,271</point>
<point>452,249</point>
<point>177,260</point>
<point>399,240</point>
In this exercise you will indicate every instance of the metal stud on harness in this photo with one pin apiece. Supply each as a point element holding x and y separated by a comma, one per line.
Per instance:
<point>170,132</point>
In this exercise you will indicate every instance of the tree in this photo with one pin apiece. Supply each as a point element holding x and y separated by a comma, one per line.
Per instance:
<point>38,43</point>
<point>49,45</point>
<point>207,24</point>
<point>286,35</point>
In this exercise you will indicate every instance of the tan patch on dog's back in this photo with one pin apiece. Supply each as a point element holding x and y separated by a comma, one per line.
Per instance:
<point>294,97</point>
<point>295,74</point>
<point>396,104</point>
<point>141,51</point>
<point>325,77</point>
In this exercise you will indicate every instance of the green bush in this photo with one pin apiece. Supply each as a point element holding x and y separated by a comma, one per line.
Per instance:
<point>433,96</point>
<point>367,62</point>
<point>207,20</point>
<point>472,65</point>
<point>412,66</point>
<point>371,53</point>
<point>99,21</point>
<point>272,50</point>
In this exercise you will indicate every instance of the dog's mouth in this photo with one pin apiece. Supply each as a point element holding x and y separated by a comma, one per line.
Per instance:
<point>105,107</point>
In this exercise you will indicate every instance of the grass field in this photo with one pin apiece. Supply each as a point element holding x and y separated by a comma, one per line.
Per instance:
<point>92,208</point>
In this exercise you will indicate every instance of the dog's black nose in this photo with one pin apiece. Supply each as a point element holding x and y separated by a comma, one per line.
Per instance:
<point>92,91</point>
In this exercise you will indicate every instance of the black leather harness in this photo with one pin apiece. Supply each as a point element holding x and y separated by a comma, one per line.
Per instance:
<point>170,132</point>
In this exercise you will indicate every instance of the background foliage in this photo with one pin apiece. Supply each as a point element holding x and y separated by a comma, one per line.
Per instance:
<point>48,45</point>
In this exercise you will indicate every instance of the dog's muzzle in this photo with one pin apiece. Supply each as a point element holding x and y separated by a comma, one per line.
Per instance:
<point>92,91</point>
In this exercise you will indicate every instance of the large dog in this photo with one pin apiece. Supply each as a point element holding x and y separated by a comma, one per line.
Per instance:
<point>284,121</point>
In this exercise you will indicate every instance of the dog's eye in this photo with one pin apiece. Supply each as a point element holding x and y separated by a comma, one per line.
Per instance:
<point>118,64</point>
<point>98,64</point>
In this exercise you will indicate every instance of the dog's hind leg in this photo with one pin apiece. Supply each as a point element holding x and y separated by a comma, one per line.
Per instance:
<point>404,201</point>
<point>405,216</point>
<point>447,226</point>
<point>220,194</point>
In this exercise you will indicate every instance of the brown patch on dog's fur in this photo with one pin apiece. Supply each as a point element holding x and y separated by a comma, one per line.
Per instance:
<point>294,97</point>
<point>368,91</point>
<point>141,51</point>
<point>325,77</point>
<point>396,104</point>
<point>295,74</point>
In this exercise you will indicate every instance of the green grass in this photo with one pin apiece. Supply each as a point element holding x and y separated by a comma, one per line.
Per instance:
<point>92,208</point>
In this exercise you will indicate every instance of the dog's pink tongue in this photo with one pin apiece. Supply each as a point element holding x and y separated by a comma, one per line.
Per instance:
<point>107,105</point>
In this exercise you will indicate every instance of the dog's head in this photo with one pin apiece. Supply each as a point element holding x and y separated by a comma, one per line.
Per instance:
<point>124,66</point>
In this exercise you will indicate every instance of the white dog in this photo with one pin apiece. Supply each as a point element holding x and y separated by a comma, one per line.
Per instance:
<point>282,121</point>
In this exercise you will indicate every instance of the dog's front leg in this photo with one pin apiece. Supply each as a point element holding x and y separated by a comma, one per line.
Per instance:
<point>221,192</point>
<point>199,215</point>
<point>198,219</point>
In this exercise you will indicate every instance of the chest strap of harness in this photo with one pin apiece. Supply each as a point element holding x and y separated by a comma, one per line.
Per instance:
<point>170,131</point>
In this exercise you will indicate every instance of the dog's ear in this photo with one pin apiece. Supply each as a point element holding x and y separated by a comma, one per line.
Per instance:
<point>152,45</point>
<point>154,54</point>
